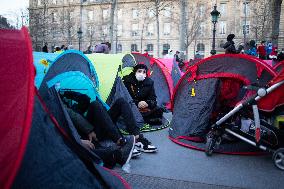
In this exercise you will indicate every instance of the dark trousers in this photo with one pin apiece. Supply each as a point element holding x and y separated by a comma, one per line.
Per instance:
<point>104,121</point>
<point>155,113</point>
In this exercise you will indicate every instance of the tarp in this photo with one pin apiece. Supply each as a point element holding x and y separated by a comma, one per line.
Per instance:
<point>33,153</point>
<point>210,85</point>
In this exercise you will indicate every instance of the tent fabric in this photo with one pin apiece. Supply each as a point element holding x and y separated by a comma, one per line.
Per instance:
<point>120,91</point>
<point>73,71</point>
<point>16,102</point>
<point>41,70</point>
<point>176,73</point>
<point>107,66</point>
<point>128,61</point>
<point>211,84</point>
<point>33,153</point>
<point>279,66</point>
<point>159,73</point>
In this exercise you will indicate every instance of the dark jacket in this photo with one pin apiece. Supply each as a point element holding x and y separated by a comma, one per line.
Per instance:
<point>44,49</point>
<point>230,47</point>
<point>141,90</point>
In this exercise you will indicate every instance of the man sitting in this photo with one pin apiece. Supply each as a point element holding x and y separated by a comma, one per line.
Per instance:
<point>141,89</point>
<point>103,122</point>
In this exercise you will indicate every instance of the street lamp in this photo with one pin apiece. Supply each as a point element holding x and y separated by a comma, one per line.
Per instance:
<point>215,15</point>
<point>80,33</point>
<point>245,25</point>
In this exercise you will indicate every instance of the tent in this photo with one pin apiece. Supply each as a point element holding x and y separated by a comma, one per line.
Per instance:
<point>110,68</point>
<point>207,88</point>
<point>42,62</point>
<point>173,69</point>
<point>36,152</point>
<point>72,70</point>
<point>159,73</point>
<point>279,66</point>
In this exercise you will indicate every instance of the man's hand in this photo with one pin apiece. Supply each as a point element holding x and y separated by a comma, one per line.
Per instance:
<point>142,104</point>
<point>92,136</point>
<point>88,144</point>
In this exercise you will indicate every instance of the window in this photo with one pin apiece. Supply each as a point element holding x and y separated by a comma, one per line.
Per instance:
<point>119,30</point>
<point>91,15</point>
<point>54,2</point>
<point>200,47</point>
<point>105,14</point>
<point>222,27</point>
<point>38,2</point>
<point>151,13</point>
<point>135,13</point>
<point>201,29</point>
<point>134,48</point>
<point>246,27</point>
<point>119,48</point>
<point>90,30</point>
<point>53,16</point>
<point>119,13</point>
<point>202,10</point>
<point>167,28</point>
<point>134,29</point>
<point>167,12</point>
<point>105,30</point>
<point>223,7</point>
<point>246,8</point>
<point>150,47</point>
<point>166,47</point>
<point>150,29</point>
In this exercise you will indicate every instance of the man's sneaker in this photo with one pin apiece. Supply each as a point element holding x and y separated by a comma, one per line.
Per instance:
<point>135,153</point>
<point>144,145</point>
<point>127,150</point>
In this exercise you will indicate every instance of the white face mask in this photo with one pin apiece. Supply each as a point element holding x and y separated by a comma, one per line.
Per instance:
<point>140,76</point>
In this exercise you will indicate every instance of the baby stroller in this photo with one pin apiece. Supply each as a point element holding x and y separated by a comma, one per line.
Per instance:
<point>263,109</point>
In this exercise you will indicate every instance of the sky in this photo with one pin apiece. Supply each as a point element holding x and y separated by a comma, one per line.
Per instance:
<point>11,8</point>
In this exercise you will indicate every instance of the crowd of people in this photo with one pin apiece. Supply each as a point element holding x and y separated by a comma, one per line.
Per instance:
<point>264,51</point>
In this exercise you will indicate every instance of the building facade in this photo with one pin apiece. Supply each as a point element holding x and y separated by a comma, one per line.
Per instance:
<point>135,24</point>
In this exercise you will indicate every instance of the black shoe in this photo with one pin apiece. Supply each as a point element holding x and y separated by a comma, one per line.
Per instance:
<point>127,150</point>
<point>144,145</point>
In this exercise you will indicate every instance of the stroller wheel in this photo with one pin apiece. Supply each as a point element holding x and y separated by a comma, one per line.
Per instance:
<point>212,142</point>
<point>278,158</point>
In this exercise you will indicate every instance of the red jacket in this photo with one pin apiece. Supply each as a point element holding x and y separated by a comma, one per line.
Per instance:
<point>261,50</point>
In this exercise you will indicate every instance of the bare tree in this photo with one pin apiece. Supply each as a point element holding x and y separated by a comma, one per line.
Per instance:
<point>112,26</point>
<point>276,12</point>
<point>157,6</point>
<point>191,19</point>
<point>261,18</point>
<point>67,23</point>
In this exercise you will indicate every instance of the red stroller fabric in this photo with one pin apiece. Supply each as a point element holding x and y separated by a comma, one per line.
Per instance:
<point>276,97</point>
<point>16,102</point>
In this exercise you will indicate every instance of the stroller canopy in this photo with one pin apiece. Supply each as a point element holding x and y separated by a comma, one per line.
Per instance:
<point>210,85</point>
<point>161,76</point>
<point>33,153</point>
